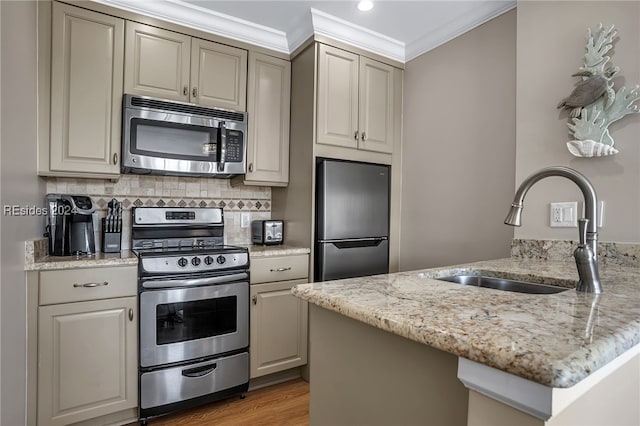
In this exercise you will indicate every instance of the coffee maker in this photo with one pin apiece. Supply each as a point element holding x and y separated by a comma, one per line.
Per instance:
<point>70,225</point>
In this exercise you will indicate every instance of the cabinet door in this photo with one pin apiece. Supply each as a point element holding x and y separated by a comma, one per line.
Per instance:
<point>87,360</point>
<point>218,75</point>
<point>376,106</point>
<point>278,328</point>
<point>156,62</point>
<point>86,90</point>
<point>269,109</point>
<point>337,97</point>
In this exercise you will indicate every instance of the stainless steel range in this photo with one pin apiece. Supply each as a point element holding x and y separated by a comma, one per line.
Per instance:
<point>194,309</point>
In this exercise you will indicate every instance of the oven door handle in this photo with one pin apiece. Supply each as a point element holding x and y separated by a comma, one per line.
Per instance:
<point>194,281</point>
<point>199,371</point>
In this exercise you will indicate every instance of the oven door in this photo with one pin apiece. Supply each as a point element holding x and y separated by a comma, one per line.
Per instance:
<point>180,324</point>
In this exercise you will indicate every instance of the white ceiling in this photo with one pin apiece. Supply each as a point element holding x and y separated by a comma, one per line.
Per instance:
<point>398,29</point>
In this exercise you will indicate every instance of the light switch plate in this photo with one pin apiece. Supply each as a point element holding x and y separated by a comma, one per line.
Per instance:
<point>563,215</point>
<point>245,219</point>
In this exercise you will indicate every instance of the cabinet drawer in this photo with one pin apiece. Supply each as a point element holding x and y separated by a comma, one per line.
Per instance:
<point>75,285</point>
<point>280,268</point>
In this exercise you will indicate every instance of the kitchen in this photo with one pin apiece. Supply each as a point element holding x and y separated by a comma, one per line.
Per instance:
<point>481,163</point>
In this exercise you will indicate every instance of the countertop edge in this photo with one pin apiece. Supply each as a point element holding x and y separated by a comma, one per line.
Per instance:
<point>552,372</point>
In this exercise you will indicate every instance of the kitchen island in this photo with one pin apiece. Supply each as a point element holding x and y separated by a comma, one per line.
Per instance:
<point>397,348</point>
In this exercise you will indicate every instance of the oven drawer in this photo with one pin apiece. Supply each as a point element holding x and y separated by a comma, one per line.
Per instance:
<point>76,285</point>
<point>279,268</point>
<point>181,383</point>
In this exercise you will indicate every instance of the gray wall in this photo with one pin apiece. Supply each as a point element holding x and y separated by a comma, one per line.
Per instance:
<point>459,148</point>
<point>551,46</point>
<point>20,186</point>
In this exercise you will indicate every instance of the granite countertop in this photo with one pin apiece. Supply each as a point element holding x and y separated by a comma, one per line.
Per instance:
<point>552,339</point>
<point>70,262</point>
<point>36,257</point>
<point>276,250</point>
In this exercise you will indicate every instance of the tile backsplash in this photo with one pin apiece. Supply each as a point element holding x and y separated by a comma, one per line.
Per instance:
<point>170,191</point>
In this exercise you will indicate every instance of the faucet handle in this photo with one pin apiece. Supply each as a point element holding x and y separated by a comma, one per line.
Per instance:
<point>582,230</point>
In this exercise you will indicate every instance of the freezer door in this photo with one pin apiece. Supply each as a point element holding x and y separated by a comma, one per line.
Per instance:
<point>352,200</point>
<point>348,259</point>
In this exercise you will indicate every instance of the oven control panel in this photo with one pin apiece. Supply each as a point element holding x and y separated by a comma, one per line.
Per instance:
<point>194,263</point>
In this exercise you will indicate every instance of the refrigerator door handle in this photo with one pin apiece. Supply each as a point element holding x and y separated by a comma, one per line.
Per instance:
<point>355,242</point>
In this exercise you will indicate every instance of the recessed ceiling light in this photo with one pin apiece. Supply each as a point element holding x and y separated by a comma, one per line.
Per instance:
<point>365,5</point>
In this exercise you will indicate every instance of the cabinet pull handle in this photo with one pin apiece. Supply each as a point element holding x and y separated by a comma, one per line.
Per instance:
<point>194,92</point>
<point>91,284</point>
<point>288,268</point>
<point>115,158</point>
<point>250,167</point>
<point>254,299</point>
<point>355,135</point>
<point>364,136</point>
<point>185,90</point>
<point>130,314</point>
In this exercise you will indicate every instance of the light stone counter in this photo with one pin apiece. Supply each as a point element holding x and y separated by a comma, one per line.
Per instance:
<point>71,262</point>
<point>36,257</point>
<point>554,339</point>
<point>275,250</point>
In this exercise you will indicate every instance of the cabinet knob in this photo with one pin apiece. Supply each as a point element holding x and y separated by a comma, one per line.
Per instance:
<point>115,158</point>
<point>364,136</point>
<point>254,299</point>
<point>194,92</point>
<point>250,167</point>
<point>130,314</point>
<point>185,90</point>
<point>355,135</point>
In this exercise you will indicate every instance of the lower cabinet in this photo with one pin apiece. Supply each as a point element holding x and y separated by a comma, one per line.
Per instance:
<point>278,328</point>
<point>87,350</point>
<point>278,324</point>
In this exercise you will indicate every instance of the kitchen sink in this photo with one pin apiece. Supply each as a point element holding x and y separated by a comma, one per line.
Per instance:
<point>503,284</point>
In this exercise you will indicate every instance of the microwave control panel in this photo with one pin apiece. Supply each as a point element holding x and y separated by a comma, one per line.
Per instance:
<point>234,147</point>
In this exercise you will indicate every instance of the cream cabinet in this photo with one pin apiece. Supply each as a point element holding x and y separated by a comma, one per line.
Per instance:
<point>85,94</point>
<point>278,325</point>
<point>356,107</point>
<point>269,100</point>
<point>87,344</point>
<point>170,65</point>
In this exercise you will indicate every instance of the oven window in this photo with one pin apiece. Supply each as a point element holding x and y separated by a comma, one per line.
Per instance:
<point>180,322</point>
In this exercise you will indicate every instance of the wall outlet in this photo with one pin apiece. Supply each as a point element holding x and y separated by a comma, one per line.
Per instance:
<point>245,219</point>
<point>563,215</point>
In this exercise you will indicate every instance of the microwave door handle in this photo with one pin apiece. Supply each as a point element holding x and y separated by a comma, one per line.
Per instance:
<point>223,146</point>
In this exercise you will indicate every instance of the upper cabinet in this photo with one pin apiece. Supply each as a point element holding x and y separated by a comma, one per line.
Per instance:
<point>86,94</point>
<point>169,65</point>
<point>269,100</point>
<point>356,107</point>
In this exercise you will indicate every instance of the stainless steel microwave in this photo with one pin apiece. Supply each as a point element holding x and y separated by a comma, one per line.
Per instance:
<point>174,138</point>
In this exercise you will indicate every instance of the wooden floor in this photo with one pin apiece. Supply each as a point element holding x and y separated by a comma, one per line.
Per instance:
<point>283,404</point>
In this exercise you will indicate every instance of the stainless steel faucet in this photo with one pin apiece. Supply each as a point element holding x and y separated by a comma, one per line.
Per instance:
<point>586,254</point>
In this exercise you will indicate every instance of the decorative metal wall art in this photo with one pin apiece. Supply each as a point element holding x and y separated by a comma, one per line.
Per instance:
<point>594,103</point>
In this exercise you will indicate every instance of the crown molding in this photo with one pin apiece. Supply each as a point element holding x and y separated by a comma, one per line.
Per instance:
<point>199,18</point>
<point>355,35</point>
<point>315,22</point>
<point>450,30</point>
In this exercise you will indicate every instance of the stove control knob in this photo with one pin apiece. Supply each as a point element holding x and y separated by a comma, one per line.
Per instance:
<point>221,259</point>
<point>208,260</point>
<point>195,261</point>
<point>182,262</point>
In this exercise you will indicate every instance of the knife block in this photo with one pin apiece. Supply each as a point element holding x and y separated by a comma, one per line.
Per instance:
<point>111,241</point>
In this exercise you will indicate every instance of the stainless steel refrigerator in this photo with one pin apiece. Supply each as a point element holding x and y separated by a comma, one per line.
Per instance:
<point>352,219</point>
